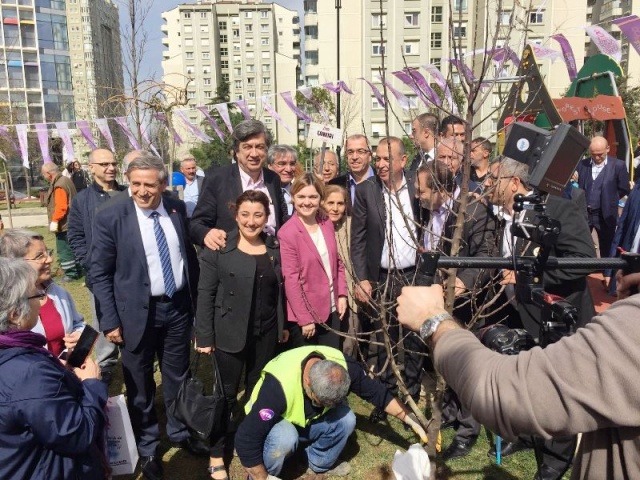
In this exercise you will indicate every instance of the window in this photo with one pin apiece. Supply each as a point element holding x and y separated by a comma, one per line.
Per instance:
<point>264,14</point>
<point>505,18</point>
<point>188,29</point>
<point>410,48</point>
<point>265,55</point>
<point>188,42</point>
<point>249,42</point>
<point>378,20</point>
<point>411,19</point>
<point>436,39</point>
<point>264,27</point>
<point>311,57</point>
<point>191,95</point>
<point>204,15</point>
<point>237,84</point>
<point>436,62</point>
<point>236,33</point>
<point>377,49</point>
<point>236,47</point>
<point>206,55</point>
<point>460,5</point>
<point>206,81</point>
<point>251,68</point>
<point>204,28</point>
<point>207,94</point>
<point>237,59</point>
<point>224,63</point>
<point>248,14</point>
<point>248,28</point>
<point>266,81</point>
<point>224,51</point>
<point>266,67</point>
<point>206,70</point>
<point>187,15</point>
<point>536,17</point>
<point>222,25</point>
<point>264,41</point>
<point>223,39</point>
<point>189,55</point>
<point>237,72</point>
<point>251,95</point>
<point>460,30</point>
<point>375,105</point>
<point>225,77</point>
<point>251,81</point>
<point>436,14</point>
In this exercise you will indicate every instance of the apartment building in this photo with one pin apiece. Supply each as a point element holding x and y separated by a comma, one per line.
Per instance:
<point>253,46</point>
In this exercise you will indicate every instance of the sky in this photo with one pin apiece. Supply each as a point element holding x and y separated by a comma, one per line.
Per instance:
<point>151,65</point>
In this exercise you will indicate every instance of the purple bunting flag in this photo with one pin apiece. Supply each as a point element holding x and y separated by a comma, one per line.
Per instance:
<point>122,121</point>
<point>223,110</point>
<point>103,126</point>
<point>85,130</point>
<point>404,102</point>
<point>416,82</point>
<point>161,117</point>
<point>65,135</point>
<point>286,96</point>
<point>376,92</point>
<point>271,111</point>
<point>145,135</point>
<point>212,122</point>
<point>439,80</point>
<point>21,131</point>
<point>630,28</point>
<point>307,92</point>
<point>567,53</point>
<point>43,140</point>
<point>344,87</point>
<point>199,134</point>
<point>333,89</point>
<point>244,108</point>
<point>543,52</point>
<point>605,42</point>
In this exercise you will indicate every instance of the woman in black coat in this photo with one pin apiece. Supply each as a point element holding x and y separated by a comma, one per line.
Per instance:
<point>240,316</point>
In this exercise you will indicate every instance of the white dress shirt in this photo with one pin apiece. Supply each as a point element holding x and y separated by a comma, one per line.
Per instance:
<point>249,184</point>
<point>145,222</point>
<point>191,194</point>
<point>596,169</point>
<point>435,227</point>
<point>398,249</point>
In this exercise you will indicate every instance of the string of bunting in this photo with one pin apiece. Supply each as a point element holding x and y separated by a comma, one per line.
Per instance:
<point>410,77</point>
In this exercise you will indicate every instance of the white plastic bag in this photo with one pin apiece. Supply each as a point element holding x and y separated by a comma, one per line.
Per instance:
<point>412,465</point>
<point>122,451</point>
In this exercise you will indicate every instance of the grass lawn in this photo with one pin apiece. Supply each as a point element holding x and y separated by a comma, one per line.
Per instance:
<point>370,449</point>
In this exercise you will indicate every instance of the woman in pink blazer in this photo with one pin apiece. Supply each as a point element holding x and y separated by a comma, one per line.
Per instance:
<point>314,278</point>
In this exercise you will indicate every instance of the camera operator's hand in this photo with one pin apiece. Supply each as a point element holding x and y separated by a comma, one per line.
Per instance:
<point>624,284</point>
<point>416,304</point>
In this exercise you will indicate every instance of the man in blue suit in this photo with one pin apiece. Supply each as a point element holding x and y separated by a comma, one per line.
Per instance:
<point>144,271</point>
<point>605,181</point>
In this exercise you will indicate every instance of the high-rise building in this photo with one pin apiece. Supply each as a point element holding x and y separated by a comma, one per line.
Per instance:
<point>252,47</point>
<point>59,61</point>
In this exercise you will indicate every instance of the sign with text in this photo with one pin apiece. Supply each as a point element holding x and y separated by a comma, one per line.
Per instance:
<point>601,107</point>
<point>324,134</point>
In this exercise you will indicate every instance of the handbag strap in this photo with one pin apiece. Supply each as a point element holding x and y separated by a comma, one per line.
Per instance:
<point>193,367</point>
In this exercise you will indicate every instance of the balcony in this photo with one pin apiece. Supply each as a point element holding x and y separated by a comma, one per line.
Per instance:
<point>310,19</point>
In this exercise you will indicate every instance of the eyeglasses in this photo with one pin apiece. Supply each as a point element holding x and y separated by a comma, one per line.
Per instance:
<point>359,151</point>
<point>106,165</point>
<point>41,257</point>
<point>40,295</point>
<point>493,178</point>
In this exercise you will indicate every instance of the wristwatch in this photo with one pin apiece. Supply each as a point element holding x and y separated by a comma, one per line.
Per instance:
<point>430,325</point>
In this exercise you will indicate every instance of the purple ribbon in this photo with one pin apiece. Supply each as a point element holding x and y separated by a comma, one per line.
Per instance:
<point>65,135</point>
<point>212,122</point>
<point>463,69</point>
<point>439,79</point>
<point>376,92</point>
<point>567,53</point>
<point>307,92</point>
<point>344,87</point>
<point>122,121</point>
<point>244,108</point>
<point>286,96</point>
<point>545,52</point>
<point>199,134</point>
<point>630,28</point>
<point>605,42</point>
<point>103,126</point>
<point>223,110</point>
<point>85,130</point>
<point>401,97</point>
<point>271,111</point>
<point>43,140</point>
<point>21,131</point>
<point>160,116</point>
<point>416,82</point>
<point>333,89</point>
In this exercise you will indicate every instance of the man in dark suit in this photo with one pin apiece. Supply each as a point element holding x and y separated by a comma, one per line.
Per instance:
<point>193,187</point>
<point>506,179</point>
<point>358,153</point>
<point>384,240</point>
<point>605,180</point>
<point>424,130</point>
<point>212,218</point>
<point>145,272</point>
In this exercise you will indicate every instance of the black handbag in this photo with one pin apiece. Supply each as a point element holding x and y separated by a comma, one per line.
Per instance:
<point>201,413</point>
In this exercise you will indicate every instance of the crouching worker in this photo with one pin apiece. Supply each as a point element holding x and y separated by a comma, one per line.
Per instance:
<point>301,399</point>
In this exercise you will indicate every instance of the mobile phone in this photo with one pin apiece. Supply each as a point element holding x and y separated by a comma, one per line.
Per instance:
<point>81,351</point>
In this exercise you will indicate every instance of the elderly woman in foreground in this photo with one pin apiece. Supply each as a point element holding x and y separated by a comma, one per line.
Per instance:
<point>52,419</point>
<point>59,320</point>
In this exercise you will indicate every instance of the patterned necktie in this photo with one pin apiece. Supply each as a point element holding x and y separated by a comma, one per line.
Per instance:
<point>165,258</point>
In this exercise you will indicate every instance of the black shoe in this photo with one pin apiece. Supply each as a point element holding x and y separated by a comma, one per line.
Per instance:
<point>548,473</point>
<point>377,416</point>
<point>508,448</point>
<point>457,449</point>
<point>151,467</point>
<point>193,446</point>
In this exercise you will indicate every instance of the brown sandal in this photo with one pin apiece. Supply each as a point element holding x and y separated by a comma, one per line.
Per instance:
<point>220,468</point>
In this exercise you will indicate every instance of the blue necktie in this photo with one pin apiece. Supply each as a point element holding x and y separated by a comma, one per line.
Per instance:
<point>165,258</point>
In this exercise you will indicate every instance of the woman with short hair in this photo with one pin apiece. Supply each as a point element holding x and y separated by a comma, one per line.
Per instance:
<point>52,418</point>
